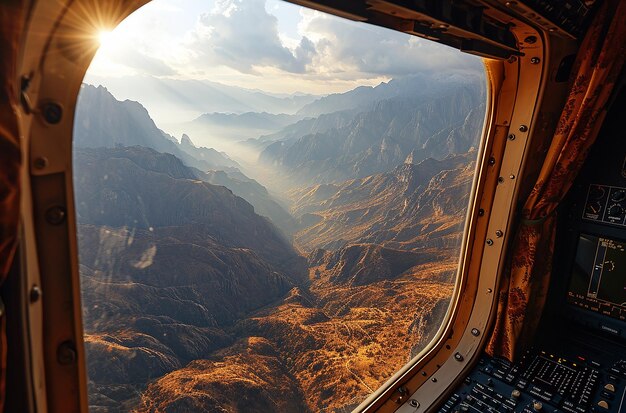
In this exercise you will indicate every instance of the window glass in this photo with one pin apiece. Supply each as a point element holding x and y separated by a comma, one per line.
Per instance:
<point>270,205</point>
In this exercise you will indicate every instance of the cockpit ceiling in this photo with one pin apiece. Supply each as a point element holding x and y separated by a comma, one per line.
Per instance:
<point>474,26</point>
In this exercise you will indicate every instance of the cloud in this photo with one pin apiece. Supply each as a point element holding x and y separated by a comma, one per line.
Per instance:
<point>242,35</point>
<point>344,46</point>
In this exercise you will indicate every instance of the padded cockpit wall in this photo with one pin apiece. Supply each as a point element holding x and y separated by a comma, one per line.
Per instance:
<point>12,13</point>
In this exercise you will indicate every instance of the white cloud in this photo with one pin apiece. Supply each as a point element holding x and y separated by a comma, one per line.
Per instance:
<point>242,35</point>
<point>345,46</point>
<point>241,42</point>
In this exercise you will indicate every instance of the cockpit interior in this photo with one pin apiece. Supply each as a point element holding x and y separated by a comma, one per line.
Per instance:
<point>537,314</point>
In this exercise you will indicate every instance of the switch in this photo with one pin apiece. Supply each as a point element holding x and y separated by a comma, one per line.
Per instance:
<point>609,387</point>
<point>537,406</point>
<point>515,394</point>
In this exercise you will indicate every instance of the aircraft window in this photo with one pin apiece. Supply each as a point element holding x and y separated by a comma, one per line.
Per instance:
<point>270,205</point>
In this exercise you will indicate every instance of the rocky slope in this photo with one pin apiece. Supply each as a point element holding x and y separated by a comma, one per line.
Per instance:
<point>168,263</point>
<point>413,206</point>
<point>101,121</point>
<point>382,137</point>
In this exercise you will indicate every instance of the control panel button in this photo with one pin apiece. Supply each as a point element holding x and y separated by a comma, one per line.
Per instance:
<point>515,394</point>
<point>537,406</point>
<point>604,404</point>
<point>618,195</point>
<point>616,211</point>
<point>610,387</point>
<point>594,207</point>
<point>596,192</point>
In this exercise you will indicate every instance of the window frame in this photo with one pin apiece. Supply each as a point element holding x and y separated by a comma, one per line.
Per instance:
<point>57,55</point>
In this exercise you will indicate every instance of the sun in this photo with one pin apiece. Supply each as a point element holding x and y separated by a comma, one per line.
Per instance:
<point>105,38</point>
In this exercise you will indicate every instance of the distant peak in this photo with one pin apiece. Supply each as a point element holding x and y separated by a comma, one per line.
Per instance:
<point>186,140</point>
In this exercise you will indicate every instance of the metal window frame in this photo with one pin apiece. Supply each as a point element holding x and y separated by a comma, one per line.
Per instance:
<point>58,49</point>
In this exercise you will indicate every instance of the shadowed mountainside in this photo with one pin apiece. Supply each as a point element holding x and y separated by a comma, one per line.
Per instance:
<point>380,137</point>
<point>167,263</point>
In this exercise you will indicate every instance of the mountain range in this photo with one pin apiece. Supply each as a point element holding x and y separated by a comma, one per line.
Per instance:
<point>435,121</point>
<point>202,292</point>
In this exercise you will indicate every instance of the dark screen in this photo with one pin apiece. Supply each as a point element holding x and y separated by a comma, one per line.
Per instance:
<point>598,280</point>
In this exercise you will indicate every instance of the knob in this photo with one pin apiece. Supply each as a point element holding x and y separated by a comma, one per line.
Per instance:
<point>515,394</point>
<point>618,196</point>
<point>594,207</point>
<point>537,406</point>
<point>616,211</point>
<point>596,192</point>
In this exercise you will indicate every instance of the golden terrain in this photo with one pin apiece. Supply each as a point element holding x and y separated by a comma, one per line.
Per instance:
<point>321,350</point>
<point>211,326</point>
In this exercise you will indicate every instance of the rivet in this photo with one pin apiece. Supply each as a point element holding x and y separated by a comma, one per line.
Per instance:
<point>512,176</point>
<point>489,241</point>
<point>530,39</point>
<point>500,179</point>
<point>552,29</point>
<point>40,163</point>
<point>414,403</point>
<point>492,161</point>
<point>535,60</point>
<point>52,112</point>
<point>424,374</point>
<point>523,128</point>
<point>510,3</point>
<point>511,137</point>
<point>55,215</point>
<point>434,380</point>
<point>512,59</point>
<point>481,212</point>
<point>499,233</point>
<point>66,353</point>
<point>458,356</point>
<point>489,290</point>
<point>475,332</point>
<point>35,293</point>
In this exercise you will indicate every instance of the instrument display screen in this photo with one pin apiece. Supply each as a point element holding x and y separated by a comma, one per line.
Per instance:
<point>598,280</point>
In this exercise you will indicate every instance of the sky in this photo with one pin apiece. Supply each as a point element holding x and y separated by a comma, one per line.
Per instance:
<point>269,45</point>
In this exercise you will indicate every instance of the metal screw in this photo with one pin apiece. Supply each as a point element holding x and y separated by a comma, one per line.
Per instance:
<point>414,403</point>
<point>52,112</point>
<point>458,356</point>
<point>66,353</point>
<point>523,128</point>
<point>512,176</point>
<point>530,39</point>
<point>55,215</point>
<point>492,161</point>
<point>489,290</point>
<point>511,137</point>
<point>489,241</point>
<point>499,233</point>
<point>40,163</point>
<point>424,374</point>
<point>434,380</point>
<point>512,59</point>
<point>35,293</point>
<point>500,179</point>
<point>481,212</point>
<point>510,3</point>
<point>535,60</point>
<point>475,332</point>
